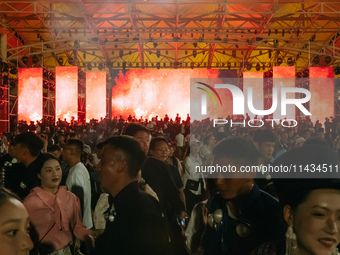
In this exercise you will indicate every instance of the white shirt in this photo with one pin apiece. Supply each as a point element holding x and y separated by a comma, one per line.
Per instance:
<point>190,163</point>
<point>179,140</point>
<point>79,176</point>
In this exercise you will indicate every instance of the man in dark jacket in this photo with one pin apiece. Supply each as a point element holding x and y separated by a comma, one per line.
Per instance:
<point>26,148</point>
<point>242,216</point>
<point>135,223</point>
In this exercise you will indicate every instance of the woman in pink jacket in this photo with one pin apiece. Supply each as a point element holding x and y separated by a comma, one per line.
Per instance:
<point>54,212</point>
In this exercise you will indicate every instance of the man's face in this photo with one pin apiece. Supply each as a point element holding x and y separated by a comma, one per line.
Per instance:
<point>144,140</point>
<point>232,188</point>
<point>266,149</point>
<point>68,152</point>
<point>161,151</point>
<point>107,168</point>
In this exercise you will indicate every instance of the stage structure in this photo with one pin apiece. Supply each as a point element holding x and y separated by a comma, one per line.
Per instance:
<point>253,80</point>
<point>284,76</point>
<point>48,95</point>
<point>95,95</point>
<point>66,92</point>
<point>4,100</point>
<point>145,93</point>
<point>321,86</point>
<point>30,94</point>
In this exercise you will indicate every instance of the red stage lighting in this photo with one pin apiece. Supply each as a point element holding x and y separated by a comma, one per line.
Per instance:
<point>95,95</point>
<point>66,92</point>
<point>253,80</point>
<point>321,87</point>
<point>30,94</point>
<point>284,76</point>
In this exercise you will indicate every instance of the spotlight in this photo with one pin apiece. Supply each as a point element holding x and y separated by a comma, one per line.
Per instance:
<point>258,67</point>
<point>158,53</point>
<point>233,53</point>
<point>13,70</point>
<point>194,53</point>
<point>270,54</point>
<point>269,32</point>
<point>121,53</point>
<point>290,62</point>
<point>71,61</point>
<point>283,32</point>
<point>60,61</point>
<point>35,59</point>
<point>229,65</point>
<point>337,70</point>
<point>316,59</point>
<point>192,65</point>
<point>89,66</point>
<point>195,45</point>
<point>24,60</point>
<point>158,65</point>
<point>328,59</point>
<point>124,65</point>
<point>100,66</point>
<point>279,61</point>
<point>249,66</point>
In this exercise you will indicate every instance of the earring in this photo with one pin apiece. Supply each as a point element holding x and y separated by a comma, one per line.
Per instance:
<point>291,244</point>
<point>335,252</point>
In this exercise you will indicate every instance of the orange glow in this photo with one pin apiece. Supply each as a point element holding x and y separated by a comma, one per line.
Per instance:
<point>30,94</point>
<point>321,87</point>
<point>95,95</point>
<point>255,81</point>
<point>154,92</point>
<point>66,92</point>
<point>284,76</point>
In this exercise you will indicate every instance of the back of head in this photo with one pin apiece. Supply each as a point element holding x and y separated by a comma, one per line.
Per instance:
<point>294,191</point>
<point>133,128</point>
<point>100,145</point>
<point>264,135</point>
<point>237,148</point>
<point>31,141</point>
<point>134,155</point>
<point>54,147</point>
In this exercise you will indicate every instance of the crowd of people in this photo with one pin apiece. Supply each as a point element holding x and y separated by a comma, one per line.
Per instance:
<point>129,187</point>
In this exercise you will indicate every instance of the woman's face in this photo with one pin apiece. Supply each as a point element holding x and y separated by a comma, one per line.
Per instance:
<point>195,148</point>
<point>14,228</point>
<point>316,222</point>
<point>50,175</point>
<point>212,140</point>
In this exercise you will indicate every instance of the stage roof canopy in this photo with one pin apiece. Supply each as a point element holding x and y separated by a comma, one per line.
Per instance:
<point>241,34</point>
